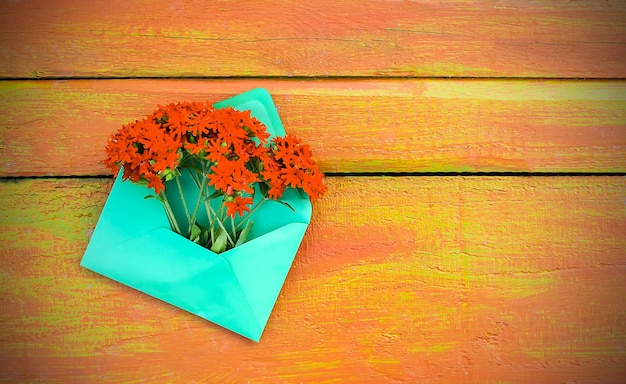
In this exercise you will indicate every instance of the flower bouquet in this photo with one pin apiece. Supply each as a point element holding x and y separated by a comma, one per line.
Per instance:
<point>208,209</point>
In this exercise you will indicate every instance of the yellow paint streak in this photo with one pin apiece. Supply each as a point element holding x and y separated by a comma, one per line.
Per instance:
<point>432,348</point>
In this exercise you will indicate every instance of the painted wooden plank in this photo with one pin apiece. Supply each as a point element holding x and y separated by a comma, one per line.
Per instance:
<point>399,279</point>
<point>61,127</point>
<point>164,38</point>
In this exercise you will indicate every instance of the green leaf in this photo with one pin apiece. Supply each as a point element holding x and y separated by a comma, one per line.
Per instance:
<point>286,205</point>
<point>264,187</point>
<point>204,237</point>
<point>142,182</point>
<point>214,195</point>
<point>243,236</point>
<point>219,245</point>
<point>195,168</point>
<point>195,232</point>
<point>255,165</point>
<point>212,233</point>
<point>158,197</point>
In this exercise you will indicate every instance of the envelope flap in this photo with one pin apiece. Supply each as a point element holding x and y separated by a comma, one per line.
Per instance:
<point>261,267</point>
<point>122,220</point>
<point>177,271</point>
<point>260,103</point>
<point>273,215</point>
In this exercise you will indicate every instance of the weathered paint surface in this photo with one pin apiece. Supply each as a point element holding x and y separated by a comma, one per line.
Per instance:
<point>436,125</point>
<point>405,279</point>
<point>399,279</point>
<point>166,38</point>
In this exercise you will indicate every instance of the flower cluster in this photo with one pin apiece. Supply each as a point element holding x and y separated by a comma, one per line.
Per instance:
<point>225,149</point>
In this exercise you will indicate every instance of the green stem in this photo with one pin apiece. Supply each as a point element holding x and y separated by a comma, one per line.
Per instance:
<point>219,222</point>
<point>196,180</point>
<point>182,198</point>
<point>209,210</point>
<point>220,212</point>
<point>243,221</point>
<point>232,225</point>
<point>193,177</point>
<point>170,213</point>
<point>211,214</point>
<point>198,201</point>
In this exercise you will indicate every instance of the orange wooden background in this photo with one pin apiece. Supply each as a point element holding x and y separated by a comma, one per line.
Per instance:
<point>474,229</point>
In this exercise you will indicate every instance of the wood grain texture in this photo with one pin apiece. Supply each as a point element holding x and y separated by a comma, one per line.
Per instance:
<point>165,38</point>
<point>61,127</point>
<point>418,279</point>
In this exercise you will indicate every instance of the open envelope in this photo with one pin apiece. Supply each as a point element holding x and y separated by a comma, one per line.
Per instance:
<point>134,245</point>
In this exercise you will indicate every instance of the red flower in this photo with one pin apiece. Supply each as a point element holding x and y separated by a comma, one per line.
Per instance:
<point>155,182</point>
<point>238,205</point>
<point>221,176</point>
<point>289,163</point>
<point>232,145</point>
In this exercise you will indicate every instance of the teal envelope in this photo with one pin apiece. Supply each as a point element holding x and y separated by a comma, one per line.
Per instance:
<point>134,245</point>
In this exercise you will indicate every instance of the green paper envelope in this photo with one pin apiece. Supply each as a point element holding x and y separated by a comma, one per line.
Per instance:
<point>134,245</point>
